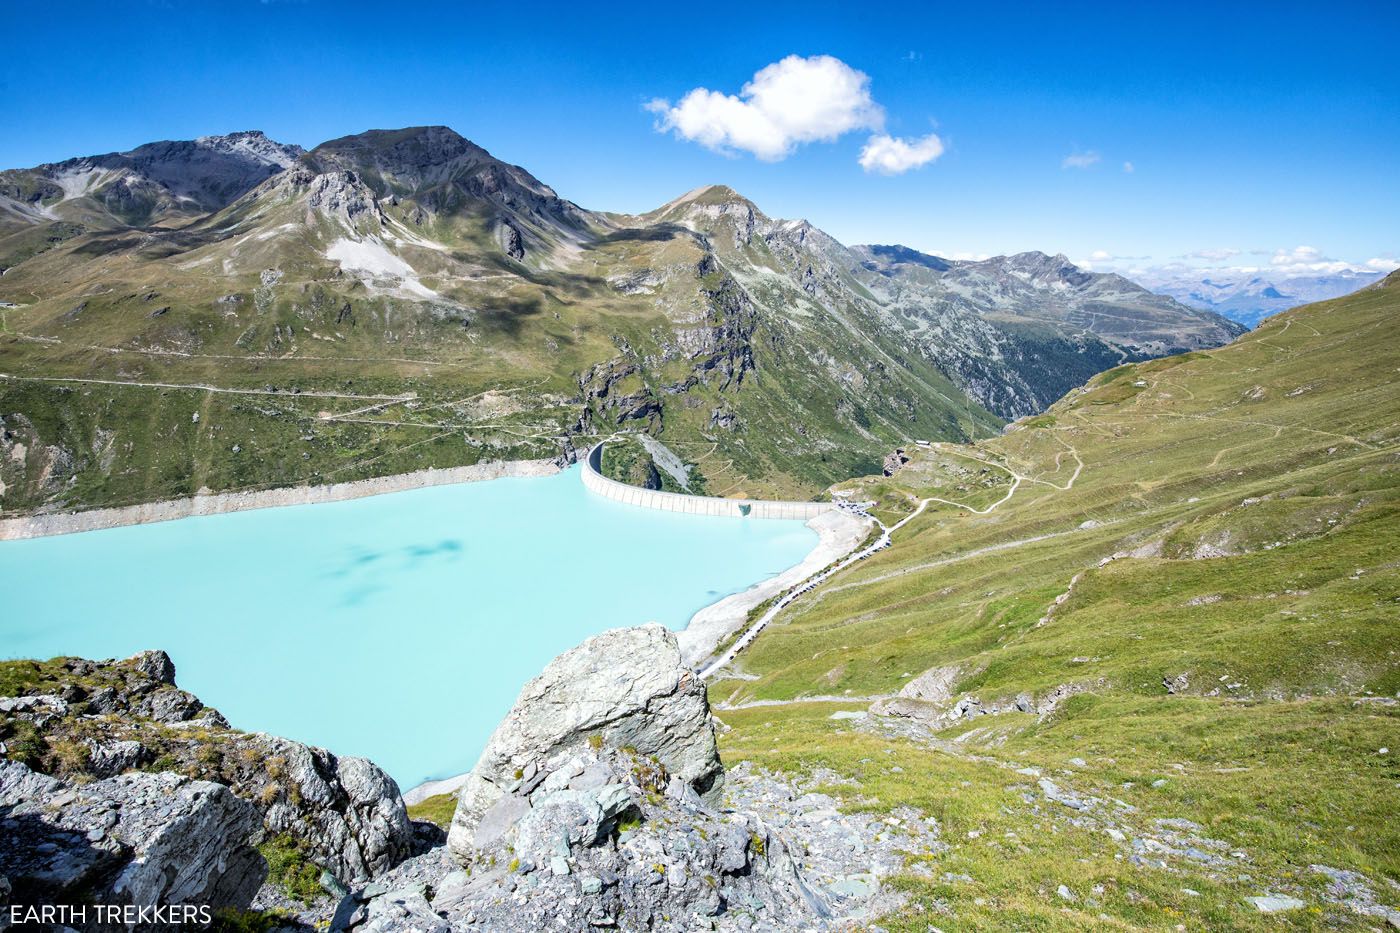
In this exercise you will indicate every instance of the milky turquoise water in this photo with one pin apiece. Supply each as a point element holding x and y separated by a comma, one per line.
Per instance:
<point>400,627</point>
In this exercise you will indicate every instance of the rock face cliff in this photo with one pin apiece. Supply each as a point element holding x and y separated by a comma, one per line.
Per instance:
<point>83,720</point>
<point>138,839</point>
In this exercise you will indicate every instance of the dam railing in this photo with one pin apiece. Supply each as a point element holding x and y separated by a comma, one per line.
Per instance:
<point>596,482</point>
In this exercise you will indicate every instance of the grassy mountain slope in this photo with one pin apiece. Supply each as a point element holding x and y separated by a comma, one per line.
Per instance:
<point>230,313</point>
<point>398,300</point>
<point>1193,590</point>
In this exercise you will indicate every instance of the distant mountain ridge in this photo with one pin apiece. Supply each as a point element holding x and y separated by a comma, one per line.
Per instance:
<point>1250,295</point>
<point>412,263</point>
<point>1045,325</point>
<point>148,184</point>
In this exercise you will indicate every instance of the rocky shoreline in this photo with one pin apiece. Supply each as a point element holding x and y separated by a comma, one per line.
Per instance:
<point>218,503</point>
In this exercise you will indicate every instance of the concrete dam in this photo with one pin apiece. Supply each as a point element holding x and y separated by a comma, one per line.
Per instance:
<point>596,482</point>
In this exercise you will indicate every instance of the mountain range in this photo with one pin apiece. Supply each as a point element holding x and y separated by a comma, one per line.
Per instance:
<point>1247,296</point>
<point>232,312</point>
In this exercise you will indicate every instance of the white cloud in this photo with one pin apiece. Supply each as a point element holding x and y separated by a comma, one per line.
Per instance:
<point>1306,260</point>
<point>1219,254</point>
<point>891,155</point>
<point>1080,159</point>
<point>1102,258</point>
<point>1284,264</point>
<point>790,102</point>
<point>1128,168</point>
<point>1297,254</point>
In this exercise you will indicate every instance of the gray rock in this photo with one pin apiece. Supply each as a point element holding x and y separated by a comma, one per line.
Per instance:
<point>628,688</point>
<point>156,665</point>
<point>134,839</point>
<point>617,824</point>
<point>348,811</point>
<point>34,704</point>
<point>1275,903</point>
<point>108,759</point>
<point>504,814</point>
<point>172,705</point>
<point>1354,891</point>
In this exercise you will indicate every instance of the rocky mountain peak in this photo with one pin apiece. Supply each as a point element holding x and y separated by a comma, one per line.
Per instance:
<point>1042,269</point>
<point>716,198</point>
<point>162,178</point>
<point>253,145</point>
<point>896,254</point>
<point>445,173</point>
<point>411,160</point>
<point>402,152</point>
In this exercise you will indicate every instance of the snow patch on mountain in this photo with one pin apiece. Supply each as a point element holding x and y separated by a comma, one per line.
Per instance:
<point>371,257</point>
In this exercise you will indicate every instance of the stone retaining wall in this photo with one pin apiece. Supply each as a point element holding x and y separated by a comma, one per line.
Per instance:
<point>596,482</point>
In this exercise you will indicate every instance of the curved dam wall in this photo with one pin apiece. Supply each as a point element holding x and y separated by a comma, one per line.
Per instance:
<point>596,482</point>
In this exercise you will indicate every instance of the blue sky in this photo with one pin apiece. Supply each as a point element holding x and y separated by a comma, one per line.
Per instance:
<point>1252,128</point>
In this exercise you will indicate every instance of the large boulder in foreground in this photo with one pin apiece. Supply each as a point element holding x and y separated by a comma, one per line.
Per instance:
<point>607,840</point>
<point>138,839</point>
<point>595,807</point>
<point>624,689</point>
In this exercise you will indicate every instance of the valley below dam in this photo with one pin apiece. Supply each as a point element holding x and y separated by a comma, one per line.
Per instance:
<point>399,627</point>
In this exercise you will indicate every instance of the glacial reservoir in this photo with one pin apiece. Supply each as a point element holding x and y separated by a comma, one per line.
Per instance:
<point>399,627</point>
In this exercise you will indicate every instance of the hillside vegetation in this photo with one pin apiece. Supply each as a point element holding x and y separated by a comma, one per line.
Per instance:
<point>230,313</point>
<point>1158,678</point>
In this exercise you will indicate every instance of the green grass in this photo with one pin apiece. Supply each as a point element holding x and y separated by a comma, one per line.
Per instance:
<point>1014,877</point>
<point>507,366</point>
<point>437,809</point>
<point>1234,522</point>
<point>290,868</point>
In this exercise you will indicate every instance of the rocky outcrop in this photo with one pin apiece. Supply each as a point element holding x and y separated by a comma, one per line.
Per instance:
<point>605,839</point>
<point>511,243</point>
<point>930,698</point>
<point>922,696</point>
<point>138,839</point>
<point>625,688</point>
<point>101,719</point>
<point>589,810</point>
<point>894,462</point>
<point>347,809</point>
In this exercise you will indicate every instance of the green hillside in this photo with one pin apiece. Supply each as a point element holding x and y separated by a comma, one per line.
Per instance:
<point>399,300</point>
<point>1194,593</point>
<point>232,313</point>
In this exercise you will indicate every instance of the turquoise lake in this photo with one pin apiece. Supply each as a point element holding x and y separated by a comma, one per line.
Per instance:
<point>400,627</point>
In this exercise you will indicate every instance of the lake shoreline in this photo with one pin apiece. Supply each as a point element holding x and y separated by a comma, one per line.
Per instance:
<point>838,532</point>
<point>23,527</point>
